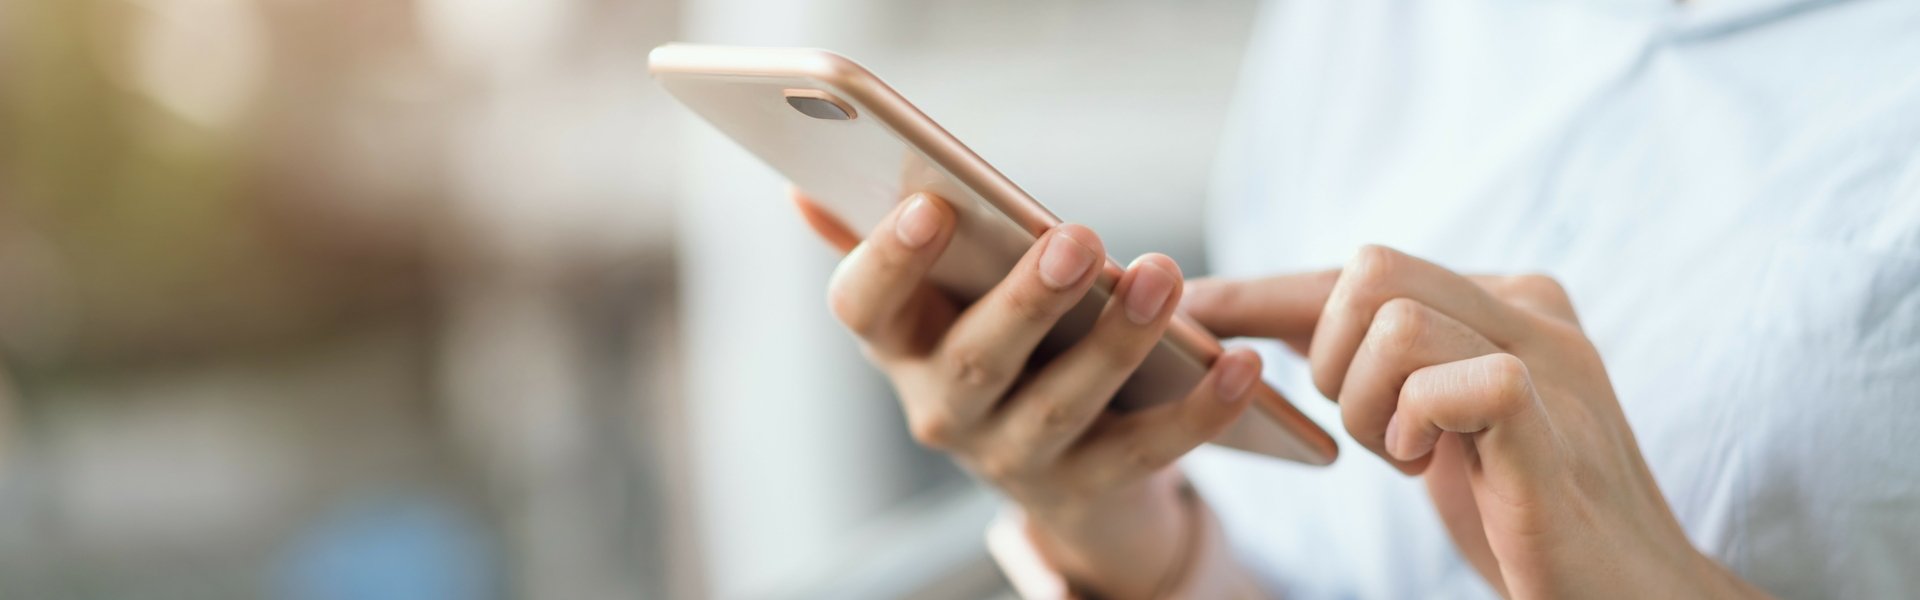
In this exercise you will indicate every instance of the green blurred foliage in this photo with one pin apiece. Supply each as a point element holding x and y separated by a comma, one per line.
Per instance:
<point>136,235</point>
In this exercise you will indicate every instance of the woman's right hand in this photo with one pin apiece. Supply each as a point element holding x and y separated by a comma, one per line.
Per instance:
<point>1039,433</point>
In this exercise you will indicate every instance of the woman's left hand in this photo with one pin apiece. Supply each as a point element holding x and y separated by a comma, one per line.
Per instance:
<point>1488,388</point>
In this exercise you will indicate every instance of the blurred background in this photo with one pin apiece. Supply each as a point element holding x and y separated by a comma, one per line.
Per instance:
<point>427,299</point>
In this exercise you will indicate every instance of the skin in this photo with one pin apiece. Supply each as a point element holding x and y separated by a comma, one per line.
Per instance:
<point>1042,437</point>
<point>1488,389</point>
<point>1484,386</point>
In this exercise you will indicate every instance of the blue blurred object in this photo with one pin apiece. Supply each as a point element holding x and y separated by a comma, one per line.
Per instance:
<point>396,546</point>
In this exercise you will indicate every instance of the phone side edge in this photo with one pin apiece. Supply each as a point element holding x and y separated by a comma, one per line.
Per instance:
<point>946,150</point>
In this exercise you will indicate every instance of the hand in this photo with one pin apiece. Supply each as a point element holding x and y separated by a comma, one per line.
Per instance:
<point>1039,433</point>
<point>1488,387</point>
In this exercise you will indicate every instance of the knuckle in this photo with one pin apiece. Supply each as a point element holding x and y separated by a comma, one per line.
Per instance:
<point>1535,286</point>
<point>1031,305</point>
<point>1506,375</point>
<point>997,468</point>
<point>1139,457</point>
<point>973,368</point>
<point>1058,416</point>
<point>877,358</point>
<point>933,431</point>
<point>1546,285</point>
<point>1399,325</point>
<point>848,309</point>
<point>1091,476</point>
<point>1564,334</point>
<point>1374,267</point>
<point>1503,369</point>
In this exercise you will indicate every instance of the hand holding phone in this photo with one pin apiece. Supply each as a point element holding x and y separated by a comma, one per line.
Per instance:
<point>858,148</point>
<point>966,373</point>
<point>1067,381</point>
<point>1040,433</point>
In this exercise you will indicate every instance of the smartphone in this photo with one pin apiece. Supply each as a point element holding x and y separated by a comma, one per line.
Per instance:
<point>856,147</point>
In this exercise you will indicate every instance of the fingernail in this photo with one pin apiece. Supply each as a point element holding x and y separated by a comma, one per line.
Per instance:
<point>1148,293</point>
<point>1064,261</point>
<point>1236,377</point>
<point>1393,443</point>
<point>918,223</point>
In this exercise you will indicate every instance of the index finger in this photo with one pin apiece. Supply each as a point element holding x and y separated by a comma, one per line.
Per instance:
<point>1379,274</point>
<point>1283,307</point>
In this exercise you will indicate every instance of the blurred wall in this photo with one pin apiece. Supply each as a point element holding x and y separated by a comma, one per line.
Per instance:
<point>444,299</point>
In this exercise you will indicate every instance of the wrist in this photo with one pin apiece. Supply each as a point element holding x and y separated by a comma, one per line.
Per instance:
<point>1121,544</point>
<point>1154,499</point>
<point>1669,563</point>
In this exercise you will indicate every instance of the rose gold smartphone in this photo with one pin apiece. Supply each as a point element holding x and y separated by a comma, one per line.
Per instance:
<point>856,147</point>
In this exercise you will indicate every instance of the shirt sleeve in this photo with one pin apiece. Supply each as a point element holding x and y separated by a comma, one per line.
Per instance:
<point>1214,572</point>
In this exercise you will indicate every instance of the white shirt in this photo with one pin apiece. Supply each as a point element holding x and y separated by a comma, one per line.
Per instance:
<point>1731,192</point>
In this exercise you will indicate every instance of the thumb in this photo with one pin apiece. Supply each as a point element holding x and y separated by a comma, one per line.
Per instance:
<point>1283,307</point>
<point>1490,398</point>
